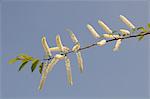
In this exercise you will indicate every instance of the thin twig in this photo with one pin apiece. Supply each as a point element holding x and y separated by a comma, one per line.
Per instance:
<point>95,44</point>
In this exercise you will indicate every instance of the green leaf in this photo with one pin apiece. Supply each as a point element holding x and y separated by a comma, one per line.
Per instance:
<point>25,56</point>
<point>23,64</point>
<point>142,29</point>
<point>34,64</point>
<point>41,68</point>
<point>140,37</point>
<point>148,25</point>
<point>13,60</point>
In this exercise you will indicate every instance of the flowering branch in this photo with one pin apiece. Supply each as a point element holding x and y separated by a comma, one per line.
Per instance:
<point>47,64</point>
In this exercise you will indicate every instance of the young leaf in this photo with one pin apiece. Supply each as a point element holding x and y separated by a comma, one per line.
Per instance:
<point>41,68</point>
<point>25,56</point>
<point>11,61</point>
<point>23,64</point>
<point>140,37</point>
<point>142,29</point>
<point>148,25</point>
<point>34,64</point>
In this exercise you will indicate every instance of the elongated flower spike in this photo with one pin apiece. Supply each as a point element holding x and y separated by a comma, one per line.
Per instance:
<point>92,31</point>
<point>124,32</point>
<point>56,49</point>
<point>49,69</point>
<point>68,69</point>
<point>104,26</point>
<point>127,22</point>
<point>59,43</point>
<point>45,46</point>
<point>73,37</point>
<point>101,43</point>
<point>110,36</point>
<point>117,45</point>
<point>76,49</point>
<point>80,61</point>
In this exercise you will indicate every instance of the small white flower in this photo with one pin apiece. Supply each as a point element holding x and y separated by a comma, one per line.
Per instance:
<point>124,32</point>
<point>45,46</point>
<point>93,31</point>
<point>127,22</point>
<point>117,45</point>
<point>101,43</point>
<point>104,27</point>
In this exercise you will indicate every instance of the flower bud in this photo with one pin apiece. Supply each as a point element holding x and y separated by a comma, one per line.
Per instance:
<point>93,31</point>
<point>104,27</point>
<point>101,43</point>
<point>127,22</point>
<point>124,32</point>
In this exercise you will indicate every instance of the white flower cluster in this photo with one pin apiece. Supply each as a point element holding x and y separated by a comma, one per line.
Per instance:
<point>48,66</point>
<point>109,33</point>
<point>63,50</point>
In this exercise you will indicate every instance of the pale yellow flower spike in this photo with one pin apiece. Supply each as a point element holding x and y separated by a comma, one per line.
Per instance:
<point>49,69</point>
<point>110,36</point>
<point>68,70</point>
<point>72,35</point>
<point>127,22</point>
<point>101,43</point>
<point>45,46</point>
<point>92,31</point>
<point>59,43</point>
<point>45,73</point>
<point>43,78</point>
<point>56,49</point>
<point>104,26</point>
<point>118,43</point>
<point>80,61</point>
<point>124,32</point>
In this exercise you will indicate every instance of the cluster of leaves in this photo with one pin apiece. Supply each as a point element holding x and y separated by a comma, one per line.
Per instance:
<point>24,59</point>
<point>142,31</point>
